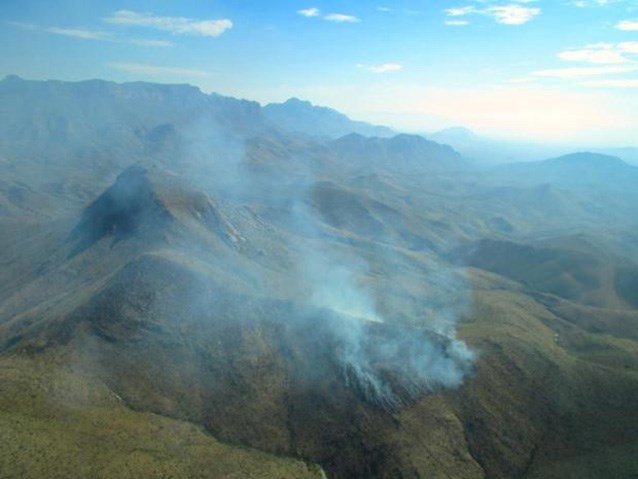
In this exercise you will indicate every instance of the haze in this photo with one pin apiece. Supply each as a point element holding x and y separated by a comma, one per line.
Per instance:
<point>319,240</point>
<point>560,71</point>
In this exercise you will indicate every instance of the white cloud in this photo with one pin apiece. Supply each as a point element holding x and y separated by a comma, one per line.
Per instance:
<point>602,53</point>
<point>341,18</point>
<point>309,12</point>
<point>592,3</point>
<point>383,68</point>
<point>583,72</point>
<point>612,83</point>
<point>513,14</point>
<point>601,56</point>
<point>628,47</point>
<point>147,42</point>
<point>22,25</point>
<point>627,25</point>
<point>457,23</point>
<point>92,34</point>
<point>83,33</point>
<point>332,17</point>
<point>460,11</point>
<point>174,25</point>
<point>158,71</point>
<point>614,58</point>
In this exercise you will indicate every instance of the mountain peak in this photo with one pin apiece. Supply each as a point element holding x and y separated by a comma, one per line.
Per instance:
<point>297,101</point>
<point>409,139</point>
<point>131,204</point>
<point>455,135</point>
<point>12,78</point>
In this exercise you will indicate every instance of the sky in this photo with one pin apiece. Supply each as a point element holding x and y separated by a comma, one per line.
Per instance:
<point>554,71</point>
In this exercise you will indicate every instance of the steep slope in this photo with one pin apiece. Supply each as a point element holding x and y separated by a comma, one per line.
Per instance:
<point>300,298</point>
<point>172,281</point>
<point>175,319</point>
<point>401,153</point>
<point>578,272</point>
<point>103,123</point>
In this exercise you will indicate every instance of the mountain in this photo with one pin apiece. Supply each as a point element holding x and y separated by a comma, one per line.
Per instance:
<point>201,293</point>
<point>105,122</point>
<point>578,170</point>
<point>149,251</point>
<point>407,153</point>
<point>303,117</point>
<point>583,275</point>
<point>455,135</point>
<point>486,151</point>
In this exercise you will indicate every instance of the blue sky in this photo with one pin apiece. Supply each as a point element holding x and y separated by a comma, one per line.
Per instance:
<point>557,71</point>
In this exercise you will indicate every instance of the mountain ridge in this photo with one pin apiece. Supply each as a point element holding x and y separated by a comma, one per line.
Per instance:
<point>303,117</point>
<point>370,305</point>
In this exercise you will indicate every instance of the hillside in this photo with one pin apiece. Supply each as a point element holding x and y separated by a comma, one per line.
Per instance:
<point>403,153</point>
<point>239,300</point>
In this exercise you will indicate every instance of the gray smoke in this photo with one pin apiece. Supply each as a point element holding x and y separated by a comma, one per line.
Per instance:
<point>391,357</point>
<point>389,362</point>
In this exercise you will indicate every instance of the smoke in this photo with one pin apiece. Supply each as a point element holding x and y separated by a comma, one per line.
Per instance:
<point>294,227</point>
<point>392,346</point>
<point>389,362</point>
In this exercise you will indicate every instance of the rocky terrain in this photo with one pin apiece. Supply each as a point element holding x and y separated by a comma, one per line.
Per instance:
<point>190,289</point>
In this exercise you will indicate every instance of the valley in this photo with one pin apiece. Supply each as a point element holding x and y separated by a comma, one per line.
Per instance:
<point>190,287</point>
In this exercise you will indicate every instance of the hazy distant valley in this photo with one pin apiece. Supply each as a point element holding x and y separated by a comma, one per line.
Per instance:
<point>198,286</point>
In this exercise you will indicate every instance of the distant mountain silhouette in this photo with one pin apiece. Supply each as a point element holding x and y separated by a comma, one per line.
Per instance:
<point>486,151</point>
<point>303,117</point>
<point>405,153</point>
<point>581,170</point>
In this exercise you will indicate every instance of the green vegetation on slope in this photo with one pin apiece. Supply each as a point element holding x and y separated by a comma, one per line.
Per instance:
<point>57,422</point>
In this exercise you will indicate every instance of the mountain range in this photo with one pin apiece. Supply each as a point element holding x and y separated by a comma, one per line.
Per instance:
<point>197,286</point>
<point>301,116</point>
